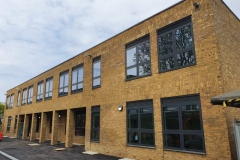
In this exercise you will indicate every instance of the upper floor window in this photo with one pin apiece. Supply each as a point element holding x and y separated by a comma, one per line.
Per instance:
<point>63,85</point>
<point>77,79</point>
<point>138,62</point>
<point>176,46</point>
<point>40,91</point>
<point>11,100</point>
<point>96,72</point>
<point>49,87</point>
<point>24,96</point>
<point>18,99</point>
<point>8,102</point>
<point>182,124</point>
<point>30,94</point>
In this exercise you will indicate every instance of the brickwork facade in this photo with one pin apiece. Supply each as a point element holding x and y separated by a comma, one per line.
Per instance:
<point>210,76</point>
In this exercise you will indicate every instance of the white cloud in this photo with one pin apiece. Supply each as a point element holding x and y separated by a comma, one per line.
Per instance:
<point>37,35</point>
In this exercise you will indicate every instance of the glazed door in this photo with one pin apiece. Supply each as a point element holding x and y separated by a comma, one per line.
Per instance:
<point>21,130</point>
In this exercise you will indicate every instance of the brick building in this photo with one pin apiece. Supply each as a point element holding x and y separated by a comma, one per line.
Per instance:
<point>144,93</point>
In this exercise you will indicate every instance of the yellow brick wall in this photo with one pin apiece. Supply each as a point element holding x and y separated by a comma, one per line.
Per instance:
<point>204,78</point>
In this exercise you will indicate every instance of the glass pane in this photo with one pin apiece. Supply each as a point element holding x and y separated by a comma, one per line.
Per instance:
<point>80,132</point>
<point>191,117</point>
<point>147,139</point>
<point>80,75</point>
<point>170,117</point>
<point>74,88</point>
<point>66,80</point>
<point>144,69</point>
<point>80,86</point>
<point>96,82</point>
<point>47,86</point>
<point>133,118</point>
<point>74,76</point>
<point>146,118</point>
<point>183,38</point>
<point>95,135</point>
<point>172,140</point>
<point>167,63</point>
<point>131,73</point>
<point>96,69</point>
<point>133,137</point>
<point>143,52</point>
<point>65,90</point>
<point>95,120</point>
<point>165,44</point>
<point>51,85</point>
<point>131,57</point>
<point>39,90</point>
<point>185,58</point>
<point>193,142</point>
<point>61,81</point>
<point>50,94</point>
<point>61,91</point>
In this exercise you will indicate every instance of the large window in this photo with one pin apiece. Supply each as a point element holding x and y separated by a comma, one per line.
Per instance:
<point>96,72</point>
<point>8,102</point>
<point>77,79</point>
<point>63,85</point>
<point>24,96</point>
<point>30,94</point>
<point>140,123</point>
<point>18,99</point>
<point>176,46</point>
<point>40,91</point>
<point>182,124</point>
<point>49,87</point>
<point>80,121</point>
<point>11,100</point>
<point>138,58</point>
<point>95,126</point>
<point>9,124</point>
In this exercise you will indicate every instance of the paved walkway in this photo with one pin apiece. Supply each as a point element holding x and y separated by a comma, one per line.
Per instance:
<point>22,151</point>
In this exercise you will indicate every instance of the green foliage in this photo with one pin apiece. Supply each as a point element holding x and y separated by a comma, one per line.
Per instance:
<point>2,106</point>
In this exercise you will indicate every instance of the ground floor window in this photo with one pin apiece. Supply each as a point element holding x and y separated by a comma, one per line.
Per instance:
<point>95,124</point>
<point>80,123</point>
<point>182,124</point>
<point>9,124</point>
<point>140,123</point>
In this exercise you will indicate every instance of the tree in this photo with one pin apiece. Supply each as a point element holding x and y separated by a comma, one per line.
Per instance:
<point>2,106</point>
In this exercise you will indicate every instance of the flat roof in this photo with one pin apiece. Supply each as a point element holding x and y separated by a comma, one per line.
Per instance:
<point>226,97</point>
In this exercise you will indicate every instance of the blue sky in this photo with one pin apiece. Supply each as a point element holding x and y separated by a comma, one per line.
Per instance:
<point>37,35</point>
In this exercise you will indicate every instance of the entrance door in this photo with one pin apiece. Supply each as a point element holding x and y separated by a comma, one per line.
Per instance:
<point>21,130</point>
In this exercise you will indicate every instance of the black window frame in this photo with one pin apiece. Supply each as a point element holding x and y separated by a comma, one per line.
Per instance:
<point>178,102</point>
<point>24,96</point>
<point>8,102</point>
<point>135,44</point>
<point>40,87</point>
<point>139,105</point>
<point>95,109</point>
<point>30,96</point>
<point>78,82</point>
<point>80,130</point>
<point>64,88</point>
<point>170,29</point>
<point>18,98</point>
<point>15,124</point>
<point>47,88</point>
<point>96,60</point>
<point>9,123</point>
<point>11,101</point>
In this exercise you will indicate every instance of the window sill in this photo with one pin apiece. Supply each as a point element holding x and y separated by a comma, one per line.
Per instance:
<point>29,103</point>
<point>184,151</point>
<point>45,99</point>
<point>39,101</point>
<point>62,95</point>
<point>130,79</point>
<point>77,92</point>
<point>95,87</point>
<point>149,147</point>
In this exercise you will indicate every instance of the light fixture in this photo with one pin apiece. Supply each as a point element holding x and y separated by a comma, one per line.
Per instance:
<point>88,55</point>
<point>39,117</point>
<point>196,5</point>
<point>59,115</point>
<point>120,107</point>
